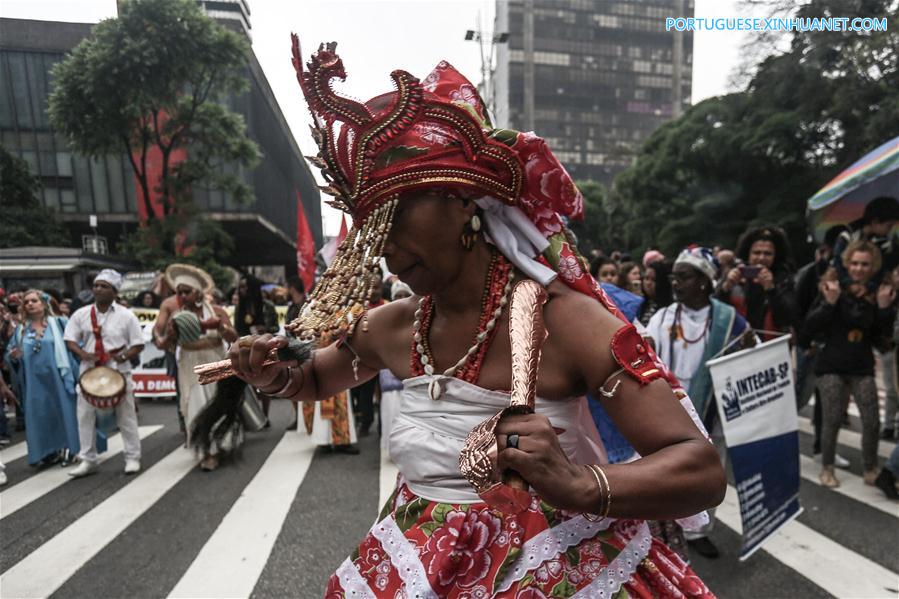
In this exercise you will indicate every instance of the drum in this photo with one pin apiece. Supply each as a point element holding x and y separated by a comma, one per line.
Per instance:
<point>188,326</point>
<point>103,387</point>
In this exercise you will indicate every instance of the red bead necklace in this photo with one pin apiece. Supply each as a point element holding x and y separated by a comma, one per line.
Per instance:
<point>492,300</point>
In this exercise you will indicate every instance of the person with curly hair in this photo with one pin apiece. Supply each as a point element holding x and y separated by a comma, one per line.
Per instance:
<point>761,288</point>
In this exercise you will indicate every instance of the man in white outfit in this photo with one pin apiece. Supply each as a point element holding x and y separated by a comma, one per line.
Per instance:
<point>120,341</point>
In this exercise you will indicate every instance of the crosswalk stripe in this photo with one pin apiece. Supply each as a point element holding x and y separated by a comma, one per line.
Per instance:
<point>848,438</point>
<point>45,569</point>
<point>13,452</point>
<point>851,486</point>
<point>816,557</point>
<point>230,562</point>
<point>18,496</point>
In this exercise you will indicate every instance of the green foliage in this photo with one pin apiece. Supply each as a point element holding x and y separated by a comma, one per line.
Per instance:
<point>153,83</point>
<point>197,241</point>
<point>603,226</point>
<point>24,220</point>
<point>757,156</point>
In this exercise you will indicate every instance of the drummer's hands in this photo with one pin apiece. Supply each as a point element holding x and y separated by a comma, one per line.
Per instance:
<point>247,355</point>
<point>540,460</point>
<point>88,357</point>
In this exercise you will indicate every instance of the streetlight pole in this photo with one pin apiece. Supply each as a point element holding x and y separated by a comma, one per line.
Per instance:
<point>487,46</point>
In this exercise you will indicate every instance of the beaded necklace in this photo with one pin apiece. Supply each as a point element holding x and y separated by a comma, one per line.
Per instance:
<point>678,329</point>
<point>496,296</point>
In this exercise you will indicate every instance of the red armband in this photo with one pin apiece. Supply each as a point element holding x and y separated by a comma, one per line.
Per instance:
<point>635,355</point>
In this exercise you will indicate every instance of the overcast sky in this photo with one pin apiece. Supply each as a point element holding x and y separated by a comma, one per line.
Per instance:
<point>377,36</point>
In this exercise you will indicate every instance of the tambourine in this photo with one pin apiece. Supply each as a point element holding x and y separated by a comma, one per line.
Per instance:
<point>103,387</point>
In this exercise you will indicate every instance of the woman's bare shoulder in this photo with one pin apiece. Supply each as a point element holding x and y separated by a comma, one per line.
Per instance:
<point>568,311</point>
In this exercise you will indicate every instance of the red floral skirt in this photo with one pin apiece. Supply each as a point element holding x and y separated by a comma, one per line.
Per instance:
<point>422,548</point>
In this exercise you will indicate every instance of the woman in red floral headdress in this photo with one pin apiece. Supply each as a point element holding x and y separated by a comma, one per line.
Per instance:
<point>462,212</point>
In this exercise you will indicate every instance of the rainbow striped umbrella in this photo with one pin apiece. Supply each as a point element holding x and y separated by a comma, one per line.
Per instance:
<point>843,200</point>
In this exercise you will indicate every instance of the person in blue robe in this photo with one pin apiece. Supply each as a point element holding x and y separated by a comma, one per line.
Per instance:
<point>45,376</point>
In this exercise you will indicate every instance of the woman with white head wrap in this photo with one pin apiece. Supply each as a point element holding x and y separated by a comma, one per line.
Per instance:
<point>199,330</point>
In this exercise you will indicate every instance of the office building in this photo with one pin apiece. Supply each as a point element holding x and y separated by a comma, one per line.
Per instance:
<point>594,78</point>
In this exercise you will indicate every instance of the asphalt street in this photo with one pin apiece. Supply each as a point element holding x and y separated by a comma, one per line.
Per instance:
<point>278,519</point>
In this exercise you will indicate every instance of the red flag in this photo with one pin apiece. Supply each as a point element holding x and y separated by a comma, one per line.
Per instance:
<point>330,248</point>
<point>305,248</point>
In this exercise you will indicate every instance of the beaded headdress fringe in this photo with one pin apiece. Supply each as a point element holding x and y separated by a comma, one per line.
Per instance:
<point>340,300</point>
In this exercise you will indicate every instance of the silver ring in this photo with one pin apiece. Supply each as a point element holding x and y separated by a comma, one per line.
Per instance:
<point>512,441</point>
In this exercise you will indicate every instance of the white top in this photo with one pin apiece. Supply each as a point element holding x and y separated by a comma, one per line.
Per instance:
<point>683,359</point>
<point>427,436</point>
<point>119,327</point>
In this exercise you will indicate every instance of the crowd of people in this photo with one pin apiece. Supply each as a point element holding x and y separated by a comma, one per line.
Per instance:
<point>49,339</point>
<point>840,310</point>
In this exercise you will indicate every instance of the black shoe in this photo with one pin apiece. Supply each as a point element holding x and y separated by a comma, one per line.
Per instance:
<point>348,449</point>
<point>292,426</point>
<point>704,547</point>
<point>50,460</point>
<point>887,434</point>
<point>886,482</point>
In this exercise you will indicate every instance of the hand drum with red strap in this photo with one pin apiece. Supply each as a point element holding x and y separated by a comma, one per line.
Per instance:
<point>103,387</point>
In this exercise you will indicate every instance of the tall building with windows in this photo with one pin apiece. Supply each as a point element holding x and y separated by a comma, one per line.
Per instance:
<point>78,187</point>
<point>593,77</point>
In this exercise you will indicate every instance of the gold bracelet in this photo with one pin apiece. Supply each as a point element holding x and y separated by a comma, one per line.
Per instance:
<point>591,517</point>
<point>608,501</point>
<point>288,392</point>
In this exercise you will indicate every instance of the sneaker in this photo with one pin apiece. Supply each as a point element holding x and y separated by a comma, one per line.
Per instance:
<point>132,466</point>
<point>83,469</point>
<point>2,478</point>
<point>886,482</point>
<point>704,547</point>
<point>827,478</point>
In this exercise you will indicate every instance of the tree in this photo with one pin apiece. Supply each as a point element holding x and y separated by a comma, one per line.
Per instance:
<point>25,221</point>
<point>153,83</point>
<point>756,156</point>
<point>603,223</point>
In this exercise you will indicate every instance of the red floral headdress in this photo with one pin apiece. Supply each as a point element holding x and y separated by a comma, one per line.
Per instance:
<point>427,134</point>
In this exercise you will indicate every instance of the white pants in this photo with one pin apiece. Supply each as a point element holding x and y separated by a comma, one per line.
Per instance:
<point>126,419</point>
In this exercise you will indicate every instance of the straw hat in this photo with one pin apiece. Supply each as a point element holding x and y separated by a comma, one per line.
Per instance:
<point>186,274</point>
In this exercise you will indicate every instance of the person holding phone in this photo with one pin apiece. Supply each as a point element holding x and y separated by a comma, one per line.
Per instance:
<point>761,288</point>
